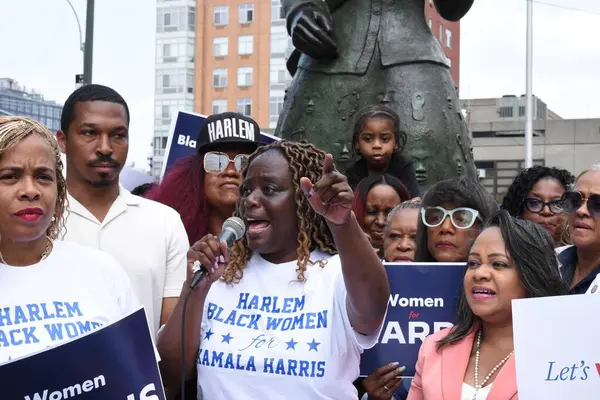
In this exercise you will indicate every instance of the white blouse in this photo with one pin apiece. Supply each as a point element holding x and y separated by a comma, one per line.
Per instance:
<point>468,392</point>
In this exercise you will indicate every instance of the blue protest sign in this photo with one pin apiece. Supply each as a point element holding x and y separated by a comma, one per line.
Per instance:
<point>423,299</point>
<point>185,128</point>
<point>115,362</point>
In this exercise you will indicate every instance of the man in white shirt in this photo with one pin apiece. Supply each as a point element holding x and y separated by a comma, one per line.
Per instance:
<point>147,238</point>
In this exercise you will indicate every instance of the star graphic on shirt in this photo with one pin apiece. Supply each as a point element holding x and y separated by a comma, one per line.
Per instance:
<point>226,338</point>
<point>209,333</point>
<point>291,344</point>
<point>313,345</point>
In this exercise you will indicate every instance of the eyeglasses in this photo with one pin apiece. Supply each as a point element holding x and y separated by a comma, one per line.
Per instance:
<point>461,218</point>
<point>572,201</point>
<point>216,162</point>
<point>536,205</point>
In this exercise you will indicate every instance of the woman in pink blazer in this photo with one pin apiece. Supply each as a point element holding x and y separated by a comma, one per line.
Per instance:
<point>474,359</point>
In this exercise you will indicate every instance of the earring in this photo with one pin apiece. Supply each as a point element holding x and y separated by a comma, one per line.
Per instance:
<point>53,218</point>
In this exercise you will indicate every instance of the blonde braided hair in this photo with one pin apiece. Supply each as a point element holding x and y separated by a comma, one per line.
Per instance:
<point>305,160</point>
<point>13,130</point>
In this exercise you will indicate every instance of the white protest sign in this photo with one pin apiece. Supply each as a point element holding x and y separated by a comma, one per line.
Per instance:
<point>557,351</point>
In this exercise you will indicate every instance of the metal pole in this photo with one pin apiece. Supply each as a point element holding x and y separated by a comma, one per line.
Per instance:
<point>529,94</point>
<point>88,53</point>
<point>81,45</point>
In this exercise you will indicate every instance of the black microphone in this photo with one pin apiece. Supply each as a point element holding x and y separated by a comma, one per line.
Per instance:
<point>233,230</point>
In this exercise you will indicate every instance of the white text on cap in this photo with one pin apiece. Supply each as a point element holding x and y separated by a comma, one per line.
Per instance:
<point>230,128</point>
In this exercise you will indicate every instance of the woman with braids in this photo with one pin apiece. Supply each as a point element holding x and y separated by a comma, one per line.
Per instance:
<point>80,285</point>
<point>510,259</point>
<point>288,311</point>
<point>535,195</point>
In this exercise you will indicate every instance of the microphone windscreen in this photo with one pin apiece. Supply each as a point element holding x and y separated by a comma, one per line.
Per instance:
<point>236,225</point>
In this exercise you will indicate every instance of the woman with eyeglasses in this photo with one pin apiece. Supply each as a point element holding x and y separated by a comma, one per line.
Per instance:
<point>452,215</point>
<point>204,188</point>
<point>474,360</point>
<point>580,263</point>
<point>535,195</point>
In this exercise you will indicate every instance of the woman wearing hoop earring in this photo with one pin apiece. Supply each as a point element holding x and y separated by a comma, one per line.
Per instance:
<point>473,360</point>
<point>43,280</point>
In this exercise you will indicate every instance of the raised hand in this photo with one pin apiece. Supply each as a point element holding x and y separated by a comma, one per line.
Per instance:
<point>331,196</point>
<point>312,33</point>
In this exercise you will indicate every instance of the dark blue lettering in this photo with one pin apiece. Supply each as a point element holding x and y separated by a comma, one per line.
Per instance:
<point>268,368</point>
<point>304,368</point>
<point>34,312</point>
<point>243,301</point>
<point>5,317</point>
<point>19,315</point>
<point>58,306</point>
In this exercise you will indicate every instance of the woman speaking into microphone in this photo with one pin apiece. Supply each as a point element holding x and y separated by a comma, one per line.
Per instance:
<point>288,311</point>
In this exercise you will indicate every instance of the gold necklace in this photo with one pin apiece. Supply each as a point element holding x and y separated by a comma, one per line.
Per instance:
<point>46,251</point>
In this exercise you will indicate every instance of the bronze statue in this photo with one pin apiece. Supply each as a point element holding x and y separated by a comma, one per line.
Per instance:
<point>353,53</point>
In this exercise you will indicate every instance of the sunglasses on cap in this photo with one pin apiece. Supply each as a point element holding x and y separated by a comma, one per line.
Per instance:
<point>536,205</point>
<point>461,218</point>
<point>572,201</point>
<point>216,162</point>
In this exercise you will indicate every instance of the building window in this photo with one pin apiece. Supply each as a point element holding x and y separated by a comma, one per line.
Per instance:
<point>277,13</point>
<point>244,107</point>
<point>506,112</point>
<point>246,13</point>
<point>168,55</point>
<point>244,76</point>
<point>220,46</point>
<point>219,106</point>
<point>279,44</point>
<point>175,19</point>
<point>521,111</point>
<point>275,107</point>
<point>220,15</point>
<point>278,74</point>
<point>174,81</point>
<point>448,38</point>
<point>245,44</point>
<point>192,19</point>
<point>220,77</point>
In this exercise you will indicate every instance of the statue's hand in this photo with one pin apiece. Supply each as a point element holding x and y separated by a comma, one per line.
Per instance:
<point>312,33</point>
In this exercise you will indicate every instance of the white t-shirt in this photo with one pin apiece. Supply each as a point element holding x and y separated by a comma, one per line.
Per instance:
<point>75,290</point>
<point>272,337</point>
<point>147,238</point>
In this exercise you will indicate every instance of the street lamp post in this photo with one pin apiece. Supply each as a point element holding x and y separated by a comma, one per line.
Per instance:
<point>88,52</point>
<point>86,47</point>
<point>529,88</point>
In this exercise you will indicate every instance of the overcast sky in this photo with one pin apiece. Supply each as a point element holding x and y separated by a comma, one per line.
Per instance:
<point>40,49</point>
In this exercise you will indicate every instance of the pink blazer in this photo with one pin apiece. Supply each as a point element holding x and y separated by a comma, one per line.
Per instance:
<point>440,375</point>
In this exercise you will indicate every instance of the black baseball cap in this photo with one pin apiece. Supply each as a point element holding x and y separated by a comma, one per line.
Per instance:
<point>228,127</point>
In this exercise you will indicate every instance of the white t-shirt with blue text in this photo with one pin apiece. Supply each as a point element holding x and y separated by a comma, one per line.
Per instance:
<point>272,337</point>
<point>74,291</point>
